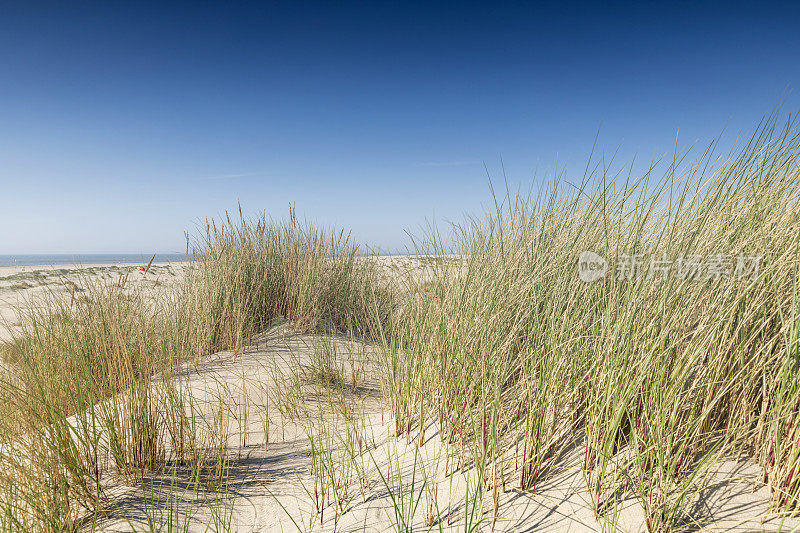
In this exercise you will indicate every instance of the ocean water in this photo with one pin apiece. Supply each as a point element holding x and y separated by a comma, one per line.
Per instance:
<point>86,259</point>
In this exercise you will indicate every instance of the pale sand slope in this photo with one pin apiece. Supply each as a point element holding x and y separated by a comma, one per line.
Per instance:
<point>274,489</point>
<point>25,286</point>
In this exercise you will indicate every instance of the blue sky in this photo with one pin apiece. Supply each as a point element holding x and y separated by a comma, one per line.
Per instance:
<point>124,124</point>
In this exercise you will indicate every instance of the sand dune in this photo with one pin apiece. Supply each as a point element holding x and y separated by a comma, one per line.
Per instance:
<point>314,453</point>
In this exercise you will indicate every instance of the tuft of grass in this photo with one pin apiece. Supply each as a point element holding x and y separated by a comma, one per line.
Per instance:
<point>248,275</point>
<point>325,367</point>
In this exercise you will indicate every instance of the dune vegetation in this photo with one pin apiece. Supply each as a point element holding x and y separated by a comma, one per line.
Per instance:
<point>686,353</point>
<point>658,373</point>
<point>80,399</point>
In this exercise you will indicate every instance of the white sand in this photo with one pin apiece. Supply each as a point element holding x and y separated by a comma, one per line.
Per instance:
<point>266,488</point>
<point>24,286</point>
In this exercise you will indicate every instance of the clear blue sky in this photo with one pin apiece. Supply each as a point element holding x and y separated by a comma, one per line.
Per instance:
<point>124,124</point>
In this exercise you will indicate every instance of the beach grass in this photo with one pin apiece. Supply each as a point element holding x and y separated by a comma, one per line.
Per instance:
<point>656,377</point>
<point>94,380</point>
<point>685,353</point>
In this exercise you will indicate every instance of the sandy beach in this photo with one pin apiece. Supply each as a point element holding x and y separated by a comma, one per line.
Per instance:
<point>22,287</point>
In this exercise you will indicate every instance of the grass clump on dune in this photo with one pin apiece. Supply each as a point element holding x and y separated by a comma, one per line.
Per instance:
<point>93,386</point>
<point>247,275</point>
<point>655,377</point>
<point>77,402</point>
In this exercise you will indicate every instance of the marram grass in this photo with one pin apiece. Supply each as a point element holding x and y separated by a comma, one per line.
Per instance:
<point>656,379</point>
<point>653,380</point>
<point>93,385</point>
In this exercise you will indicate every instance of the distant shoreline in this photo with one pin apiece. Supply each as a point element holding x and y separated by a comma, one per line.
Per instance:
<point>43,261</point>
<point>84,260</point>
<point>8,271</point>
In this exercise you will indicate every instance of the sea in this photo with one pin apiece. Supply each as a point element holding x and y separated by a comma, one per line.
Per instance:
<point>87,259</point>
